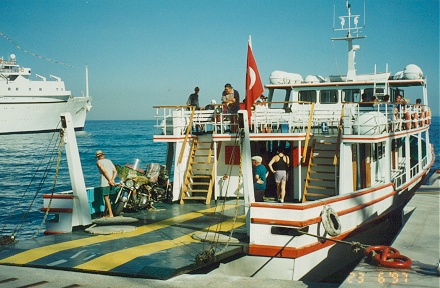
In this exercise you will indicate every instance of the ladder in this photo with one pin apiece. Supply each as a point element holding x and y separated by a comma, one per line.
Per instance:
<point>321,174</point>
<point>199,177</point>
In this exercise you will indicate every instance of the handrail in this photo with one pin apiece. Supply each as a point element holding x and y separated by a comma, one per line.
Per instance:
<point>309,126</point>
<point>172,106</point>
<point>188,129</point>
<point>338,140</point>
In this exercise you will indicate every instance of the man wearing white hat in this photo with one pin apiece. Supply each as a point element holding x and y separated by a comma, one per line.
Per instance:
<point>108,174</point>
<point>260,174</point>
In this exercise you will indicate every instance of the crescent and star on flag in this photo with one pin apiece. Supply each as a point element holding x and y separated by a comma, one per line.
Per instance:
<point>254,87</point>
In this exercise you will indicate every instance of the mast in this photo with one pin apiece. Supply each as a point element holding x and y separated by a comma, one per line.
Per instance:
<point>87,80</point>
<point>350,19</point>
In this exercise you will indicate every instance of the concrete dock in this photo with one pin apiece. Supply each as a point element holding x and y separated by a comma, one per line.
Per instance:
<point>419,240</point>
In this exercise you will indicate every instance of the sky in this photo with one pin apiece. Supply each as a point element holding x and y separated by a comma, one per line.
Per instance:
<point>145,53</point>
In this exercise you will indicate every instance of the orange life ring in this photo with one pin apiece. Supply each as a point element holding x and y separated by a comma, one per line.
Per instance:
<point>407,121</point>
<point>389,257</point>
<point>416,119</point>
<point>21,70</point>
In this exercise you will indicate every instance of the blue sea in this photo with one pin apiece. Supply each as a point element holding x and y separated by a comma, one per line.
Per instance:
<point>27,173</point>
<point>24,162</point>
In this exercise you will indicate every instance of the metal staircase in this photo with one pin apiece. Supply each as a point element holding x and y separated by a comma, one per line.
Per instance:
<point>199,177</point>
<point>321,177</point>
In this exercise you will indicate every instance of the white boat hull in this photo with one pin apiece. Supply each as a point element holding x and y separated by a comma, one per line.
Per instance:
<point>29,117</point>
<point>365,217</point>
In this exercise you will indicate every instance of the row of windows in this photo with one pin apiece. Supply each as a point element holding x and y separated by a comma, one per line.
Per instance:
<point>30,89</point>
<point>330,96</point>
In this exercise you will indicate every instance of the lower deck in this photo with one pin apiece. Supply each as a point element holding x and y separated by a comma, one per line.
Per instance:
<point>161,246</point>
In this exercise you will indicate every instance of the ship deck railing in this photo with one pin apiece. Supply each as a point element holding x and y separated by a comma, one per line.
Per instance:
<point>374,118</point>
<point>400,174</point>
<point>361,119</point>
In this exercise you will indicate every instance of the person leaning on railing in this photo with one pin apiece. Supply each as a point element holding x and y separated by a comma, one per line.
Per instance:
<point>231,98</point>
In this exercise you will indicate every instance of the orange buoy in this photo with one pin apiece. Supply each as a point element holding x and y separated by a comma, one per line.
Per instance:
<point>407,121</point>
<point>387,256</point>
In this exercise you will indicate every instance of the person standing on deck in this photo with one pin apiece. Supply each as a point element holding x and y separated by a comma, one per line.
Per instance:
<point>193,99</point>
<point>108,174</point>
<point>260,174</point>
<point>279,165</point>
<point>231,98</point>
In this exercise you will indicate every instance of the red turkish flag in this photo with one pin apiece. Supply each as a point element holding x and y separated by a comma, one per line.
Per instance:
<point>254,87</point>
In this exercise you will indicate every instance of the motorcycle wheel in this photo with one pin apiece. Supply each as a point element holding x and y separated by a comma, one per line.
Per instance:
<point>119,208</point>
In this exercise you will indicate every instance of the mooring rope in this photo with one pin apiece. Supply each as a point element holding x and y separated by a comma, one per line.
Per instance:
<point>60,150</point>
<point>49,164</point>
<point>207,255</point>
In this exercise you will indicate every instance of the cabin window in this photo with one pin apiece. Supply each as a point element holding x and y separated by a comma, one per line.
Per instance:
<point>395,92</point>
<point>371,92</point>
<point>351,95</point>
<point>328,96</point>
<point>307,95</point>
<point>16,89</point>
<point>9,88</point>
<point>41,89</point>
<point>30,89</point>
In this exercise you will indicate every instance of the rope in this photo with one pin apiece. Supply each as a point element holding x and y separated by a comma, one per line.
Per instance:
<point>355,246</point>
<point>39,187</point>
<point>18,46</point>
<point>60,149</point>
<point>207,255</point>
<point>237,198</point>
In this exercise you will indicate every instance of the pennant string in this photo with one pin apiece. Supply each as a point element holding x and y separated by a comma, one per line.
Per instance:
<point>34,54</point>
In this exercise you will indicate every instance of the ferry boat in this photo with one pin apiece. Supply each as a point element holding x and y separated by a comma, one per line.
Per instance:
<point>354,167</point>
<point>355,162</point>
<point>30,106</point>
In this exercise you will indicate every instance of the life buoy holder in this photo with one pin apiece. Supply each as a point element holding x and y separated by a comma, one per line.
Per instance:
<point>330,221</point>
<point>387,256</point>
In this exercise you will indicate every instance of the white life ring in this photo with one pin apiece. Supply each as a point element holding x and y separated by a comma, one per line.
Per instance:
<point>330,221</point>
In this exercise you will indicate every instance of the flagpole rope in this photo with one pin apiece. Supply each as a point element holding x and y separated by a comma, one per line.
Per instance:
<point>18,46</point>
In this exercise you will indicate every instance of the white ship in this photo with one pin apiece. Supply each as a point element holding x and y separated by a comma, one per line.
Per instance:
<point>355,163</point>
<point>29,106</point>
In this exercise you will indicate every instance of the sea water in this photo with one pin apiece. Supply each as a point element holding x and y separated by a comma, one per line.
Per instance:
<point>28,166</point>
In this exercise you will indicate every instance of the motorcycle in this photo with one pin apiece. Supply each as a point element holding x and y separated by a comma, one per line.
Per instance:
<point>140,189</point>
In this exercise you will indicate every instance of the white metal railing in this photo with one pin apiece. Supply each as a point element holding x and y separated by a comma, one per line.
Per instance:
<point>399,175</point>
<point>291,120</point>
<point>174,120</point>
<point>358,119</point>
<point>377,118</point>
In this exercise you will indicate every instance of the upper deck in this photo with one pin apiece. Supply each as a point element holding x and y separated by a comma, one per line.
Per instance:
<point>351,120</point>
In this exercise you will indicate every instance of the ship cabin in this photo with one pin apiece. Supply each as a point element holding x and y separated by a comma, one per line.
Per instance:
<point>329,132</point>
<point>16,84</point>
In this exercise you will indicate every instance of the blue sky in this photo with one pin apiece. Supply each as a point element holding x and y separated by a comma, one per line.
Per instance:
<point>143,53</point>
